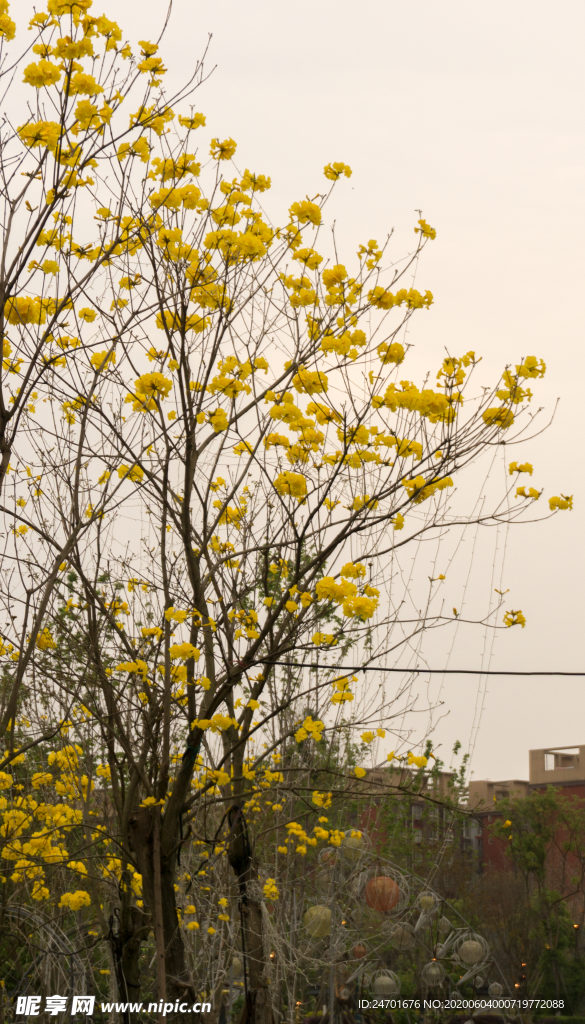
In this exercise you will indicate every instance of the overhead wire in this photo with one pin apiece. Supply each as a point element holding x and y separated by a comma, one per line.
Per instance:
<point>420,671</point>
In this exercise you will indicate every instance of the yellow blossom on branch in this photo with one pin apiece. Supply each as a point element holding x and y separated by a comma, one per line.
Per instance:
<point>513,618</point>
<point>563,502</point>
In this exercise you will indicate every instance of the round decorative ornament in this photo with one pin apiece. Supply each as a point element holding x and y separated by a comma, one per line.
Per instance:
<point>382,894</point>
<point>317,921</point>
<point>386,984</point>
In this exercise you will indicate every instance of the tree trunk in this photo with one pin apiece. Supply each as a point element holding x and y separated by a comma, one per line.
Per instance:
<point>142,836</point>
<point>257,1007</point>
<point>134,928</point>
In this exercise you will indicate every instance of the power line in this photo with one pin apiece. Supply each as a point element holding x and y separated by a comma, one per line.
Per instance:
<point>431,671</point>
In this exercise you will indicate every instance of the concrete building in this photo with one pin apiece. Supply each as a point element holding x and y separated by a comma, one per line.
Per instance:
<point>551,766</point>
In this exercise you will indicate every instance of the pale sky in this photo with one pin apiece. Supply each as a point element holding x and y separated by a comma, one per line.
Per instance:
<point>471,112</point>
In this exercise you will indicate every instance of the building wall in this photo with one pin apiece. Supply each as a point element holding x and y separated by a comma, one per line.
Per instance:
<point>557,766</point>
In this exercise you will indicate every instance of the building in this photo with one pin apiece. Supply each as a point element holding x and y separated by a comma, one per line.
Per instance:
<point>550,766</point>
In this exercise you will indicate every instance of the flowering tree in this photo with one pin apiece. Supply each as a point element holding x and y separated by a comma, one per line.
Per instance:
<point>213,480</point>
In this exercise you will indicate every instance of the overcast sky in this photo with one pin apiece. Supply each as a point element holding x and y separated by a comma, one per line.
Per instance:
<point>472,112</point>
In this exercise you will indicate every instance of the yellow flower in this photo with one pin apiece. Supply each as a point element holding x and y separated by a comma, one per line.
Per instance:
<point>270,889</point>
<point>41,779</point>
<point>294,484</point>
<point>360,607</point>
<point>563,502</point>
<point>353,570</point>
<point>75,900</point>
<point>183,652</point>
<point>531,367</point>
<point>341,691</point>
<point>425,229</point>
<point>254,182</point>
<point>193,122</point>
<point>310,728</point>
<point>323,638</point>
<point>134,473</point>
<point>502,417</point>
<point>218,420</point>
<point>44,73</point>
<point>24,310</point>
<point>321,799</point>
<point>84,84</point>
<point>310,383</point>
<point>514,618</point>
<point>420,762</point>
<point>45,641</point>
<point>222,150</point>
<point>334,171</point>
<point>7,26</point>
<point>360,772</point>
<point>153,385</point>
<point>521,492</point>
<point>101,360</point>
<point>306,211</point>
<point>87,314</point>
<point>392,352</point>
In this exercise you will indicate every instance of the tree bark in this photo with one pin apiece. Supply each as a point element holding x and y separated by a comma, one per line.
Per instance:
<point>257,1007</point>
<point>142,840</point>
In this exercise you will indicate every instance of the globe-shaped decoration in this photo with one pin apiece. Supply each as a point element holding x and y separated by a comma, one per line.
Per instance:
<point>327,857</point>
<point>444,926</point>
<point>427,901</point>
<point>317,921</point>
<point>324,878</point>
<point>402,936</point>
<point>382,894</point>
<point>433,974</point>
<point>359,951</point>
<point>471,952</point>
<point>386,984</point>
<point>353,845</point>
<point>471,949</point>
<point>495,989</point>
<point>237,967</point>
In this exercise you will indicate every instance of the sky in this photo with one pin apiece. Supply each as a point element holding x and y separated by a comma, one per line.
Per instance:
<point>471,113</point>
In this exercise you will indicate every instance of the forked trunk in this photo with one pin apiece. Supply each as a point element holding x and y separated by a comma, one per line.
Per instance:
<point>158,887</point>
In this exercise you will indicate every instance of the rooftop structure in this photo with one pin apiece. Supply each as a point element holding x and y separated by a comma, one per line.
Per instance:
<point>557,765</point>
<point>483,793</point>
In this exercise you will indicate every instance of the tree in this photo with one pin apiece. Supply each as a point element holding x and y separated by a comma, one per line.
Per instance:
<point>544,833</point>
<point>212,508</point>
